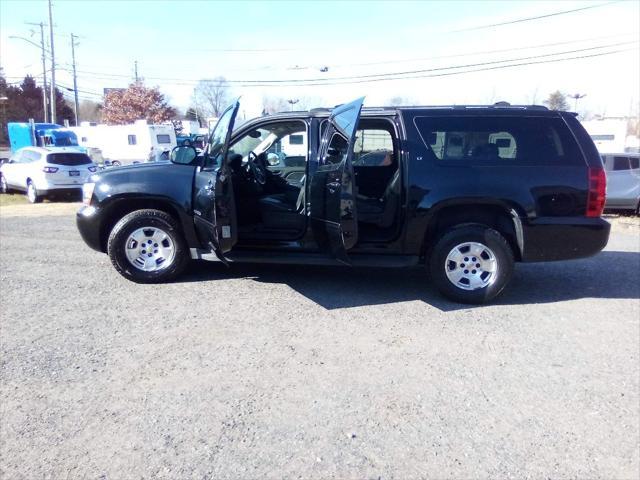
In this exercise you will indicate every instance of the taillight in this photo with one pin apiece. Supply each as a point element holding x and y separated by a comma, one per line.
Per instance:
<point>50,169</point>
<point>93,169</point>
<point>597,192</point>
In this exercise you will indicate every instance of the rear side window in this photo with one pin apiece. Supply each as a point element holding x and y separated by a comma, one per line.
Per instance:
<point>68,159</point>
<point>131,139</point>
<point>635,162</point>
<point>163,138</point>
<point>620,163</point>
<point>499,140</point>
<point>30,156</point>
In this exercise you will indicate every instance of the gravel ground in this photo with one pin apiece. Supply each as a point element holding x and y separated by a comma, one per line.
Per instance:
<point>288,372</point>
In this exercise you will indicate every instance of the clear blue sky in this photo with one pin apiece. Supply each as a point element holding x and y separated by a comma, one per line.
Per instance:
<point>177,43</point>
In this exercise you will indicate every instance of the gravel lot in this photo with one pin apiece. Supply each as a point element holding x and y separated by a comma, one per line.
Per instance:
<point>287,372</point>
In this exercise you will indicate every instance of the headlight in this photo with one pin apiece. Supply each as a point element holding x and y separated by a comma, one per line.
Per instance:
<point>87,192</point>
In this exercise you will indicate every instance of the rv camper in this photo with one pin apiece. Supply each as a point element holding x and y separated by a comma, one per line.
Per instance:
<point>127,144</point>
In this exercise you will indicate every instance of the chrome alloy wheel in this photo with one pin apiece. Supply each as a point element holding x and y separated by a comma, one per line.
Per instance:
<point>150,249</point>
<point>471,266</point>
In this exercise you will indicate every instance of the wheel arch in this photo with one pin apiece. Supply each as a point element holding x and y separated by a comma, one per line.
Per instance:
<point>119,207</point>
<point>503,217</point>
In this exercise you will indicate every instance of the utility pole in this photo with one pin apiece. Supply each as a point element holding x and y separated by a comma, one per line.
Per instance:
<point>75,78</point>
<point>135,69</point>
<point>45,89</point>
<point>53,69</point>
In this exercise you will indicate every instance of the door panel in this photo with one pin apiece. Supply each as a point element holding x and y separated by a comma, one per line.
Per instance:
<point>213,200</point>
<point>333,206</point>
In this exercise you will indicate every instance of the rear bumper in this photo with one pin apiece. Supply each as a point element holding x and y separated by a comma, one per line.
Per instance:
<point>563,238</point>
<point>61,190</point>
<point>89,225</point>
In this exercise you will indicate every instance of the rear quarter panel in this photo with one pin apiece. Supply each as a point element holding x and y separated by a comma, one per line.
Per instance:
<point>532,191</point>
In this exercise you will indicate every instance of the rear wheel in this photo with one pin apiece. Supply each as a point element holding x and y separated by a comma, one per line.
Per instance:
<point>471,264</point>
<point>146,246</point>
<point>32,193</point>
<point>4,187</point>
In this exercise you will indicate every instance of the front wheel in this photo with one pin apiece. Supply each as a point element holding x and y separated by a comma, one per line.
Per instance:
<point>146,246</point>
<point>471,264</point>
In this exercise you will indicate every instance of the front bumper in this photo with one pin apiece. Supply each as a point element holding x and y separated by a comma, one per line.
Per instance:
<point>89,225</point>
<point>563,238</point>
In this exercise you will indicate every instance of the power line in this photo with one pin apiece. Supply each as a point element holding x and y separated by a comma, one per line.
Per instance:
<point>442,74</point>
<point>484,52</point>
<point>339,80</point>
<point>529,19</point>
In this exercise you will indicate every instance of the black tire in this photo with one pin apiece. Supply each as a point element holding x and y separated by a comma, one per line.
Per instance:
<point>33,197</point>
<point>153,219</point>
<point>481,234</point>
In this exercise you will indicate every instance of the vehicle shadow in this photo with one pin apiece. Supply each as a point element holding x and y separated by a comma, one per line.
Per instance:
<point>609,274</point>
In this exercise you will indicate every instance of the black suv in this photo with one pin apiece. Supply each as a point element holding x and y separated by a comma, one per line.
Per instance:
<point>464,191</point>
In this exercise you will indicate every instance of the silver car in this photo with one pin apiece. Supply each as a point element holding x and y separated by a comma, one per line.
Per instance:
<point>623,181</point>
<point>42,172</point>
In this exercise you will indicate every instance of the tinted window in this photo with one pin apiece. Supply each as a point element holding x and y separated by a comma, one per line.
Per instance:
<point>635,162</point>
<point>501,140</point>
<point>69,159</point>
<point>132,139</point>
<point>163,138</point>
<point>621,163</point>
<point>337,151</point>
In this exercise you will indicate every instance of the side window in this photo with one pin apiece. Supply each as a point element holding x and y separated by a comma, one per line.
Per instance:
<point>280,140</point>
<point>296,139</point>
<point>373,148</point>
<point>29,156</point>
<point>498,140</point>
<point>635,162</point>
<point>132,140</point>
<point>163,138</point>
<point>621,163</point>
<point>337,150</point>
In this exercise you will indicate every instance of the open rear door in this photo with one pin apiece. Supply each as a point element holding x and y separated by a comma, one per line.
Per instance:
<point>214,208</point>
<point>333,196</point>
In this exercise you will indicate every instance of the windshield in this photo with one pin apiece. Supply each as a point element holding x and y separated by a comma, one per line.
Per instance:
<point>218,137</point>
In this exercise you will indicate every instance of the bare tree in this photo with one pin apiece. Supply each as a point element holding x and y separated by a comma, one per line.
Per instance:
<point>272,105</point>
<point>399,100</point>
<point>557,101</point>
<point>212,96</point>
<point>90,111</point>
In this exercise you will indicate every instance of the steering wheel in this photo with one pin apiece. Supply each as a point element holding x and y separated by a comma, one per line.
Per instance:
<point>256,170</point>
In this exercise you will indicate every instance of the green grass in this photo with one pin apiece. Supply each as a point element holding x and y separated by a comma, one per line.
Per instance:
<point>7,199</point>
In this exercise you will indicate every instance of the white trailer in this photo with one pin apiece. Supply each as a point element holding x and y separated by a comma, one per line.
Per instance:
<point>126,144</point>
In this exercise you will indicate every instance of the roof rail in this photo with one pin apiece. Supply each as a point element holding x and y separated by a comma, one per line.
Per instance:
<point>505,105</point>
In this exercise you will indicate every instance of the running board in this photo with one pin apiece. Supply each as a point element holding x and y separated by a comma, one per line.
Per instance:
<point>357,260</point>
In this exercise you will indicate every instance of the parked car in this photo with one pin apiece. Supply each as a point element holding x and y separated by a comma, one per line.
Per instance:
<point>623,181</point>
<point>466,192</point>
<point>45,172</point>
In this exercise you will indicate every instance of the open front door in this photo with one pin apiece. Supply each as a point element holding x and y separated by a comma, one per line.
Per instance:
<point>333,196</point>
<point>214,209</point>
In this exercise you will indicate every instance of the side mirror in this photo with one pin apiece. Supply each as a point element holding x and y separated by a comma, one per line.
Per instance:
<point>183,155</point>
